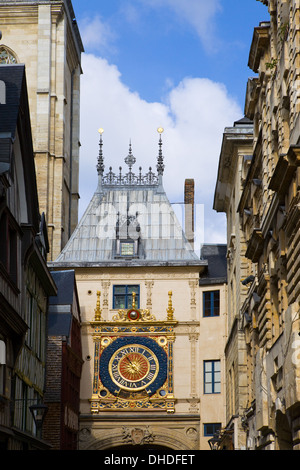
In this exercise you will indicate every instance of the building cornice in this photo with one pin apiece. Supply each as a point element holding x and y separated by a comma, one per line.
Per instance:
<point>260,42</point>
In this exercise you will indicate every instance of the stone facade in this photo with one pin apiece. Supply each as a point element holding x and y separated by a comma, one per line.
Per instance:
<point>268,217</point>
<point>44,36</point>
<point>235,159</point>
<point>194,342</point>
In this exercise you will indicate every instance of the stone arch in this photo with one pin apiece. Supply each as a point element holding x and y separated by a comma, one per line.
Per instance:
<point>7,55</point>
<point>139,437</point>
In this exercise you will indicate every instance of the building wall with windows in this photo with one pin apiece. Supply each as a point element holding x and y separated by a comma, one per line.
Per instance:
<point>44,36</point>
<point>269,222</point>
<point>25,282</point>
<point>272,101</point>
<point>235,159</point>
<point>199,365</point>
<point>212,338</point>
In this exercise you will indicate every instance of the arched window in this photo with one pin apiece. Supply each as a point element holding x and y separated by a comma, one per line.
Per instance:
<point>7,56</point>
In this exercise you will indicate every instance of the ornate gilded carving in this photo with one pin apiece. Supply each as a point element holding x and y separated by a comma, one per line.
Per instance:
<point>98,309</point>
<point>170,309</point>
<point>133,364</point>
<point>134,313</point>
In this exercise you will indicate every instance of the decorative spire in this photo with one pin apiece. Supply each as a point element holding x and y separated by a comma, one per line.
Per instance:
<point>160,160</point>
<point>98,309</point>
<point>170,309</point>
<point>130,179</point>
<point>130,159</point>
<point>100,165</point>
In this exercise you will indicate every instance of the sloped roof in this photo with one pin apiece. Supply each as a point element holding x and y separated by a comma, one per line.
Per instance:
<point>152,222</point>
<point>62,306</point>
<point>161,237</point>
<point>66,285</point>
<point>216,271</point>
<point>12,87</point>
<point>15,119</point>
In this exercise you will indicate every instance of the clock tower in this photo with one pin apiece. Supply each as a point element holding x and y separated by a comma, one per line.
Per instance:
<point>153,346</point>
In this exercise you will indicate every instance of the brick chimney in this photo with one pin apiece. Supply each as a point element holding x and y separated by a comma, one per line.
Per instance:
<point>189,201</point>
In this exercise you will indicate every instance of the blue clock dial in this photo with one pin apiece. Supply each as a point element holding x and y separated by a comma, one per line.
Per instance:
<point>133,364</point>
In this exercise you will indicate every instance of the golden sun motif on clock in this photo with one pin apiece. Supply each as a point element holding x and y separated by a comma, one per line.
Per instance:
<point>134,366</point>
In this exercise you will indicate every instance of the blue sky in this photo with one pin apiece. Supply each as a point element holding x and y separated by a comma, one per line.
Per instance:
<point>151,44</point>
<point>177,64</point>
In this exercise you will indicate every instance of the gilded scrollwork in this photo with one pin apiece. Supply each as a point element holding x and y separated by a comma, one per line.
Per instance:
<point>133,338</point>
<point>122,315</point>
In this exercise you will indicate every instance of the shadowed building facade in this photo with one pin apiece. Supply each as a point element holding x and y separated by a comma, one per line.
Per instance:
<point>262,197</point>
<point>64,363</point>
<point>25,281</point>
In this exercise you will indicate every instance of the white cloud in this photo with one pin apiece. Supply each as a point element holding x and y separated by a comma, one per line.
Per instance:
<point>193,115</point>
<point>97,34</point>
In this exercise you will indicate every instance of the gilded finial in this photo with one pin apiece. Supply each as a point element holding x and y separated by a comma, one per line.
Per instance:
<point>170,309</point>
<point>133,299</point>
<point>100,131</point>
<point>160,159</point>
<point>98,309</point>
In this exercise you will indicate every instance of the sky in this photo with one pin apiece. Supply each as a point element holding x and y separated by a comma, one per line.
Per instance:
<point>179,65</point>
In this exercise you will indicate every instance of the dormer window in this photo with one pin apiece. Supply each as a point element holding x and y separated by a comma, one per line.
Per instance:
<point>126,248</point>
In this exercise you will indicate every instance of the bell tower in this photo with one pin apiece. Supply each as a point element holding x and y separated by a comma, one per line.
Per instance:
<point>44,36</point>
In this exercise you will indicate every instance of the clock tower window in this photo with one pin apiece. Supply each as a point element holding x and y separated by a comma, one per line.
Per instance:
<point>122,296</point>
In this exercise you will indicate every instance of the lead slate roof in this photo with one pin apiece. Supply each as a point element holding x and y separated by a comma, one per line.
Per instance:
<point>162,240</point>
<point>11,88</point>
<point>60,306</point>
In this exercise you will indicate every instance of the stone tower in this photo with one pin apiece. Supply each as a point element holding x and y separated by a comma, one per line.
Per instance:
<point>44,36</point>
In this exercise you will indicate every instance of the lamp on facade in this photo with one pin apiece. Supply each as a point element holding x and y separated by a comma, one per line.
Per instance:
<point>248,280</point>
<point>38,412</point>
<point>214,442</point>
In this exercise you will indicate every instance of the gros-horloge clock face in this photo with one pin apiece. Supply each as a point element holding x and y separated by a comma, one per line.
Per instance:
<point>134,367</point>
<point>133,364</point>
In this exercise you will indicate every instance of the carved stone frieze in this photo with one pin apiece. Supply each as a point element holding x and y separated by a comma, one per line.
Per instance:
<point>138,435</point>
